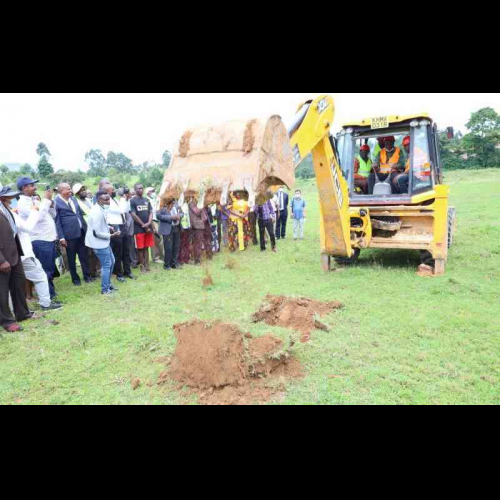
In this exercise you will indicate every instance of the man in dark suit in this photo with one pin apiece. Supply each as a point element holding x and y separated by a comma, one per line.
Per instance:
<point>282,213</point>
<point>12,278</point>
<point>170,228</point>
<point>71,229</point>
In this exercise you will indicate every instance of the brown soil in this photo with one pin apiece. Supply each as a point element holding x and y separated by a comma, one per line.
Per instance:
<point>249,137</point>
<point>207,280</point>
<point>222,365</point>
<point>185,144</point>
<point>296,314</point>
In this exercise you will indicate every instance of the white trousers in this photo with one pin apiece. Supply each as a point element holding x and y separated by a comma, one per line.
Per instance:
<point>34,272</point>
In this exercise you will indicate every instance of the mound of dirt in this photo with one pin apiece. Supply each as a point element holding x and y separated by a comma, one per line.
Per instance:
<point>296,314</point>
<point>222,365</point>
<point>208,356</point>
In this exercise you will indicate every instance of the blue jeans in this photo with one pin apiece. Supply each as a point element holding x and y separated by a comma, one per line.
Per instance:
<point>107,260</point>
<point>46,253</point>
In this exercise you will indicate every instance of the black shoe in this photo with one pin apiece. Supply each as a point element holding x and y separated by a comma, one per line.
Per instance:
<point>131,277</point>
<point>89,281</point>
<point>166,268</point>
<point>77,283</point>
<point>52,307</point>
<point>121,280</point>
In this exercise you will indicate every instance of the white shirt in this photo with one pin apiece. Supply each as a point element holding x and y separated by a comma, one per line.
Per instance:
<point>115,214</point>
<point>25,228</point>
<point>45,229</point>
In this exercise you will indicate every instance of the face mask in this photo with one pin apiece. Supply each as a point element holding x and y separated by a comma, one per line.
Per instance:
<point>105,207</point>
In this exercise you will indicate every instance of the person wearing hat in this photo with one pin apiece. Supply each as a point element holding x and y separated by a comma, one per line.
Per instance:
<point>378,148</point>
<point>44,235</point>
<point>12,277</point>
<point>401,181</point>
<point>363,168</point>
<point>389,163</point>
<point>32,268</point>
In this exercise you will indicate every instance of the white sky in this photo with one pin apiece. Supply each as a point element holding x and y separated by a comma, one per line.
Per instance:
<point>143,125</point>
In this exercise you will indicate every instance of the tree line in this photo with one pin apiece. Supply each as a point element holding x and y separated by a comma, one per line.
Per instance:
<point>115,166</point>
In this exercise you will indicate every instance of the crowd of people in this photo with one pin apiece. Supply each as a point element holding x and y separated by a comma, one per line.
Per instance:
<point>114,232</point>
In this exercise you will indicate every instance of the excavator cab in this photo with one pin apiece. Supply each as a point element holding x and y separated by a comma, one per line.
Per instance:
<point>416,156</point>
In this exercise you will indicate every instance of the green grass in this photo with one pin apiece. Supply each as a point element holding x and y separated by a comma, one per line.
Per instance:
<point>401,339</point>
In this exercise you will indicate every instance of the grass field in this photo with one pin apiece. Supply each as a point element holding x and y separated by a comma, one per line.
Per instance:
<point>401,339</point>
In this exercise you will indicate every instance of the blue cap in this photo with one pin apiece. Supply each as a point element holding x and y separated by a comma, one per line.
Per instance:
<point>25,181</point>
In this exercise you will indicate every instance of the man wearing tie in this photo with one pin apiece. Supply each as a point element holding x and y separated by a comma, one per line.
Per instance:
<point>72,228</point>
<point>282,208</point>
<point>12,278</point>
<point>170,218</point>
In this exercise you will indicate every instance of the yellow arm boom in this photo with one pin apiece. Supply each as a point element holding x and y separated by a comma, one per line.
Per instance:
<point>311,134</point>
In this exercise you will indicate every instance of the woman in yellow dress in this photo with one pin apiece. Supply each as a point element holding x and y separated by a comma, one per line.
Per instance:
<point>239,232</point>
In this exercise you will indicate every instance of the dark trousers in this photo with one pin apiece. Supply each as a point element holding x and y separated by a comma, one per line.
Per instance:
<point>121,251</point>
<point>134,258</point>
<point>263,225</point>
<point>77,247</point>
<point>252,219</point>
<point>172,246</point>
<point>94,263</point>
<point>15,283</point>
<point>46,253</point>
<point>402,183</point>
<point>281,225</point>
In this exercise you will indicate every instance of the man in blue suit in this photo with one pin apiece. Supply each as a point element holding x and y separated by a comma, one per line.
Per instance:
<point>282,199</point>
<point>71,229</point>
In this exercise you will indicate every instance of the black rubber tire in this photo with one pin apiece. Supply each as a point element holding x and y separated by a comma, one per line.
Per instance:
<point>343,261</point>
<point>452,217</point>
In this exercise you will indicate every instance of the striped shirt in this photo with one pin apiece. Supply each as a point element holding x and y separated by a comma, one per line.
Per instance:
<point>45,230</point>
<point>266,212</point>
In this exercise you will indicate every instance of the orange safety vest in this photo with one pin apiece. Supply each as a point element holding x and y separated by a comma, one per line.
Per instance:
<point>387,166</point>
<point>421,164</point>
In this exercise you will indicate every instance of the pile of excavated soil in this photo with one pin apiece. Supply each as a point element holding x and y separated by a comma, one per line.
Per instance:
<point>222,365</point>
<point>296,314</point>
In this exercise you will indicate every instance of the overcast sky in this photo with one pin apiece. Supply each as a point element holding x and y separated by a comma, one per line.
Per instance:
<point>143,126</point>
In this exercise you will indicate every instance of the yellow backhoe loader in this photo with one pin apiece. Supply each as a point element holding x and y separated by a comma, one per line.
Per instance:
<point>418,218</point>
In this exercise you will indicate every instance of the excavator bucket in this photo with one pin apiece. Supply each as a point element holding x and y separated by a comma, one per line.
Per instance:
<point>212,161</point>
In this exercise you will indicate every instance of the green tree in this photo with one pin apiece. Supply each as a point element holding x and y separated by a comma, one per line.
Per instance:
<point>4,169</point>
<point>120,162</point>
<point>483,139</point>
<point>167,158</point>
<point>153,176</point>
<point>45,168</point>
<point>97,163</point>
<point>453,155</point>
<point>43,150</point>
<point>27,170</point>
